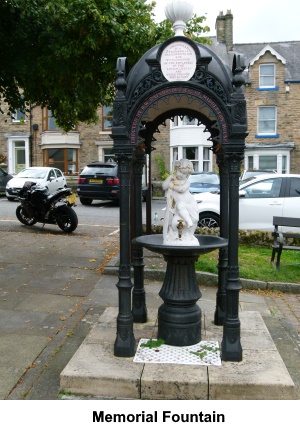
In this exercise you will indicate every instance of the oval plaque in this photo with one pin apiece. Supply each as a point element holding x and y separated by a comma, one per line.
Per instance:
<point>178,62</point>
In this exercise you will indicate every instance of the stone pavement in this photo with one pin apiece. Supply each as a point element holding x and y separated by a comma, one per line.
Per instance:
<point>55,287</point>
<point>45,277</point>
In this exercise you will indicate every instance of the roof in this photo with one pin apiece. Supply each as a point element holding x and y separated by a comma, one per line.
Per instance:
<point>288,51</point>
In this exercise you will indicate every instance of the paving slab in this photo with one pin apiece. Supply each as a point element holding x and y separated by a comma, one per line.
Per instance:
<point>95,371</point>
<point>174,382</point>
<point>18,353</point>
<point>9,375</point>
<point>25,351</point>
<point>261,375</point>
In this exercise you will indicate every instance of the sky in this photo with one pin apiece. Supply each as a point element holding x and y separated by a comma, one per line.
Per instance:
<point>253,21</point>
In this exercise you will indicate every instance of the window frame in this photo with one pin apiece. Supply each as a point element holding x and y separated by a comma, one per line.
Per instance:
<point>19,117</point>
<point>109,155</point>
<point>184,121</point>
<point>262,76</point>
<point>66,162</point>
<point>195,160</point>
<point>283,159</point>
<point>259,121</point>
<point>47,115</point>
<point>106,117</point>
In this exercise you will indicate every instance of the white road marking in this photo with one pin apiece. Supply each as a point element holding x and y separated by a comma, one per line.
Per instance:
<point>85,225</point>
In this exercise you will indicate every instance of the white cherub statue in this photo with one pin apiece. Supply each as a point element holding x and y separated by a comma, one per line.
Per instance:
<point>182,214</point>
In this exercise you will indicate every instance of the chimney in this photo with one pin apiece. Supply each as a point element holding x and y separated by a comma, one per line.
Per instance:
<point>224,29</point>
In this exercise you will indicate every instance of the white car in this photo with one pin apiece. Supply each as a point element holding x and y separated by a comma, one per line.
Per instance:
<point>260,198</point>
<point>49,177</point>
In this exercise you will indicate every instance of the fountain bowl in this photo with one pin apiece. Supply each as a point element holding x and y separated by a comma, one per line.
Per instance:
<point>207,243</point>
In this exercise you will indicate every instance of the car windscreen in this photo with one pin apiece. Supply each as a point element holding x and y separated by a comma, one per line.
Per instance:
<point>110,170</point>
<point>29,173</point>
<point>204,179</point>
<point>252,174</point>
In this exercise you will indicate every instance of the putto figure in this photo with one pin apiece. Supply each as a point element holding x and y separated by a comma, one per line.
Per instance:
<point>182,213</point>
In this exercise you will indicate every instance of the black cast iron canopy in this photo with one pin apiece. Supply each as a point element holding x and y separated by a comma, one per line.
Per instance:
<point>146,73</point>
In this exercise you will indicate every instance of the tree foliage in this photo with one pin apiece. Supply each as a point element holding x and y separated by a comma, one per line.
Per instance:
<point>62,53</point>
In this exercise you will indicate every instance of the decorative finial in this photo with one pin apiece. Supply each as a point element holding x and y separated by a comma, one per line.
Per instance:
<point>179,12</point>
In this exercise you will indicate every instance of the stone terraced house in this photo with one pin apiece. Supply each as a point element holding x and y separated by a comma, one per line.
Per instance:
<point>272,91</point>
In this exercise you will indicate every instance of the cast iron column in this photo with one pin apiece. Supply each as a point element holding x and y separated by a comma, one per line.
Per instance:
<point>231,344</point>
<point>223,252</point>
<point>125,341</point>
<point>234,154</point>
<point>139,310</point>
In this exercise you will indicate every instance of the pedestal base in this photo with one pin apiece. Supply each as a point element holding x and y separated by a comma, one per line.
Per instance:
<point>179,317</point>
<point>179,326</point>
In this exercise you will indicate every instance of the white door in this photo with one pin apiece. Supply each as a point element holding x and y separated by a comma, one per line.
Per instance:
<point>19,159</point>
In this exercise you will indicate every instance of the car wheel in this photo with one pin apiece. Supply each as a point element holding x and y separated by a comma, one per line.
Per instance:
<point>209,219</point>
<point>85,201</point>
<point>10,199</point>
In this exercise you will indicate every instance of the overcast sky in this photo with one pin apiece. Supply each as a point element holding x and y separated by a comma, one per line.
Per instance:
<point>253,20</point>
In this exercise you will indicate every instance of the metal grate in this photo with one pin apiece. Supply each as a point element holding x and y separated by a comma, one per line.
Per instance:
<point>204,353</point>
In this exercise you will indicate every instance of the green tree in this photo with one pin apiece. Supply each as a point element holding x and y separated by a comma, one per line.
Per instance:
<point>63,53</point>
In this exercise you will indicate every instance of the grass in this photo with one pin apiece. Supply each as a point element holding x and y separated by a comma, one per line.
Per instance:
<point>254,263</point>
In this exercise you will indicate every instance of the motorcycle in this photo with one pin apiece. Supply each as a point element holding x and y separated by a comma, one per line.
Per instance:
<point>38,205</point>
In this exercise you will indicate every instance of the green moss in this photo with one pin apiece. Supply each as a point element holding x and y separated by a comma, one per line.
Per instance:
<point>153,343</point>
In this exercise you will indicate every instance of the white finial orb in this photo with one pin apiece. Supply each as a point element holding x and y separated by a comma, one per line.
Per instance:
<point>179,12</point>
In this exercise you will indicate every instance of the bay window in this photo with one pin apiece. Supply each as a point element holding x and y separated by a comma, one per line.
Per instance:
<point>65,159</point>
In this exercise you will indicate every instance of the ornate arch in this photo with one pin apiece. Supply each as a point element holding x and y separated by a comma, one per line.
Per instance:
<point>184,98</point>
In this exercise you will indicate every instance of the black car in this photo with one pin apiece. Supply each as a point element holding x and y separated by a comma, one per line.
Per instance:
<point>4,178</point>
<point>98,181</point>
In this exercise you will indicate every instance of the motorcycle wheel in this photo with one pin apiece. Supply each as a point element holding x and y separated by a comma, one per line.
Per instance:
<point>23,217</point>
<point>66,219</point>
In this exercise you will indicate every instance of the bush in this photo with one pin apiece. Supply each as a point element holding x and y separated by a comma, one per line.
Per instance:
<point>161,167</point>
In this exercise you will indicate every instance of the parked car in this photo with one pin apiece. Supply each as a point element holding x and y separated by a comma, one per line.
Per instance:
<point>204,182</point>
<point>4,178</point>
<point>246,174</point>
<point>49,177</point>
<point>260,199</point>
<point>100,181</point>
